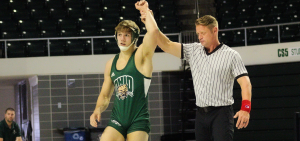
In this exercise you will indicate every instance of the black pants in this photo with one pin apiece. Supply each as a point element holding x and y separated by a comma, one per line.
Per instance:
<point>214,124</point>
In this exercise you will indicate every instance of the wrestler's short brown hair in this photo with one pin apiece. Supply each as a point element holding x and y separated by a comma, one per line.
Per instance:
<point>127,26</point>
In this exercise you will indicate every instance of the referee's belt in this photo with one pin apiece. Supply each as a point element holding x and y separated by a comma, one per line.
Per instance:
<point>207,109</point>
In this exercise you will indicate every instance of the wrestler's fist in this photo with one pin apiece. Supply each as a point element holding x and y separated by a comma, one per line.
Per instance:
<point>141,5</point>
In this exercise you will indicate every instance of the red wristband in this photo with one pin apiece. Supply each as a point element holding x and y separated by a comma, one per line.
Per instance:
<point>246,106</point>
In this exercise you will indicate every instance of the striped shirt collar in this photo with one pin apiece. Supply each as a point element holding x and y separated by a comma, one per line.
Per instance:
<point>218,47</point>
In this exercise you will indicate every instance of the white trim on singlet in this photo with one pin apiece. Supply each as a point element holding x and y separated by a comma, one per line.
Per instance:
<point>147,83</point>
<point>214,73</point>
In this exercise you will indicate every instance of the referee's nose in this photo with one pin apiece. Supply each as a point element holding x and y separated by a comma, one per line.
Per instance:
<point>200,37</point>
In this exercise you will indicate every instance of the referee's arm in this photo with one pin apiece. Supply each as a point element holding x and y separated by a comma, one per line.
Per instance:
<point>244,116</point>
<point>168,46</point>
<point>246,87</point>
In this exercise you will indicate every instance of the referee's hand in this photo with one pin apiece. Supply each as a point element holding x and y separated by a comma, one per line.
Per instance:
<point>243,119</point>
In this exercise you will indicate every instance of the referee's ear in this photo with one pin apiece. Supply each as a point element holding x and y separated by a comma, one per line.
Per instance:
<point>215,30</point>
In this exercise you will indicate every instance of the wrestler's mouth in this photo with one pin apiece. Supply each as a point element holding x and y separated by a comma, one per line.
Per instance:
<point>122,44</point>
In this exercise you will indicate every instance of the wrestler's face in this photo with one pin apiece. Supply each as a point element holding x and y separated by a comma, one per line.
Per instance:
<point>205,35</point>
<point>124,38</point>
<point>9,116</point>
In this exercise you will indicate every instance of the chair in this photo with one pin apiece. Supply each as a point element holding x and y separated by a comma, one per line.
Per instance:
<point>93,3</point>
<point>37,48</point>
<point>92,12</point>
<point>9,25</point>
<point>75,4</point>
<point>28,25</point>
<point>18,4</point>
<point>47,24</point>
<point>68,33</point>
<point>292,8</point>
<point>5,15</point>
<point>70,24</point>
<point>49,33</point>
<point>40,14</point>
<point>166,29</point>
<point>271,35</point>
<point>5,5</point>
<point>89,32</point>
<point>167,10</point>
<point>289,32</point>
<point>58,13</point>
<point>278,2</point>
<point>30,34</point>
<point>165,2</point>
<point>260,11</point>
<point>77,47</point>
<point>229,15</point>
<point>58,48</point>
<point>295,17</point>
<point>111,46</point>
<point>36,4</point>
<point>248,22</point>
<point>276,9</point>
<point>128,2</point>
<point>88,23</point>
<point>107,23</point>
<point>226,37</point>
<point>245,14</point>
<point>75,13</point>
<point>16,49</point>
<point>21,14</point>
<point>109,3</point>
<point>230,24</point>
<point>281,19</point>
<point>226,3</point>
<point>10,34</point>
<point>246,3</point>
<point>263,2</point>
<point>98,46</point>
<point>129,13</point>
<point>111,12</point>
<point>107,31</point>
<point>265,20</point>
<point>255,36</point>
<point>57,4</point>
<point>238,38</point>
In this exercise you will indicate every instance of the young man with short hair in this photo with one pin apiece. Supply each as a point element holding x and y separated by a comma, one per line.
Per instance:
<point>9,130</point>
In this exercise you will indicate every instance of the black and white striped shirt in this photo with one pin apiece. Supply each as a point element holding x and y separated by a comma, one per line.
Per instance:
<point>213,73</point>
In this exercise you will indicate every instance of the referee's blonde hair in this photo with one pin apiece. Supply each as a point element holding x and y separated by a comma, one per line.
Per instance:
<point>208,21</point>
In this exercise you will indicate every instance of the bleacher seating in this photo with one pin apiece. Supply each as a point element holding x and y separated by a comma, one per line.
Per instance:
<point>247,13</point>
<point>77,18</point>
<point>37,48</point>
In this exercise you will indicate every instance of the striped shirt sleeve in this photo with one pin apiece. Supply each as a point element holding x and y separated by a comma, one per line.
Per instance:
<point>187,50</point>
<point>238,67</point>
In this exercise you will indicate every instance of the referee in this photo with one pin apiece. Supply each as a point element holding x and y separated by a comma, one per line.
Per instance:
<point>214,68</point>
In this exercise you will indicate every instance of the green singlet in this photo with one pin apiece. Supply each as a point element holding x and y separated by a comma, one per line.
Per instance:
<point>130,111</point>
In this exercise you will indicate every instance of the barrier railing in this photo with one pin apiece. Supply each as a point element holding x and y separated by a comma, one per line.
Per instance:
<point>69,38</point>
<point>191,37</point>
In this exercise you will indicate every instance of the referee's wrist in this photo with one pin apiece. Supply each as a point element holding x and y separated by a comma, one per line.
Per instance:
<point>246,106</point>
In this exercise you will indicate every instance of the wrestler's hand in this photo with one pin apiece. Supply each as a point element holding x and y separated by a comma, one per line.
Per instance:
<point>143,16</point>
<point>96,116</point>
<point>142,5</point>
<point>243,119</point>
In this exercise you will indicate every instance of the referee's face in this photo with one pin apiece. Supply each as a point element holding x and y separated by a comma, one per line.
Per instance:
<point>205,35</point>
